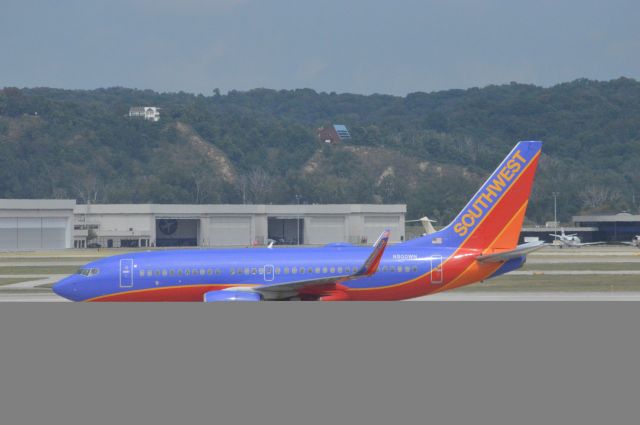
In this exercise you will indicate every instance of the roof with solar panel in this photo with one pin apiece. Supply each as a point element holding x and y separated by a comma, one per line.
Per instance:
<point>334,133</point>
<point>342,131</point>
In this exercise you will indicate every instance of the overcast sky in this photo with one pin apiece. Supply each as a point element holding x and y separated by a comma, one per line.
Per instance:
<point>360,46</point>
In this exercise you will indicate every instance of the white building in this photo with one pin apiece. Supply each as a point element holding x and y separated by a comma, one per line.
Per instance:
<point>53,224</point>
<point>133,225</point>
<point>151,113</point>
<point>30,224</point>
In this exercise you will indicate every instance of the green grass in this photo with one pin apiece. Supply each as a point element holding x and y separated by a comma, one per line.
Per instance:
<point>44,270</point>
<point>546,283</point>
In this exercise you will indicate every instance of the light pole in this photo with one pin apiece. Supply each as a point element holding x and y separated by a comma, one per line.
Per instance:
<point>298,218</point>
<point>555,212</point>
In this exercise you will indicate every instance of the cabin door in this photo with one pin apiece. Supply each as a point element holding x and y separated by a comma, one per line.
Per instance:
<point>437,274</point>
<point>268,273</point>
<point>126,273</point>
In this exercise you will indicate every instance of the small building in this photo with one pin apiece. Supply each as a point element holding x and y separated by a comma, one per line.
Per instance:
<point>333,134</point>
<point>151,113</point>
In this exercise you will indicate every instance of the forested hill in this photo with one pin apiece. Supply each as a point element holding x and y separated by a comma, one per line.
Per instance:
<point>430,150</point>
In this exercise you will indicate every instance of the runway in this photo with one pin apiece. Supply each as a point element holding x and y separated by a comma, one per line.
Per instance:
<point>443,297</point>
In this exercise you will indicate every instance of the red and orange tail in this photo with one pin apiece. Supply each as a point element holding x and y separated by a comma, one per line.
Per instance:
<point>493,218</point>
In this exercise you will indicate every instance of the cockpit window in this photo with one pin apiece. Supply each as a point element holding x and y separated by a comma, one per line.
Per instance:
<point>88,272</point>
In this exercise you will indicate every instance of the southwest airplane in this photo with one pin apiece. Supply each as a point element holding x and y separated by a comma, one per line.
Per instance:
<point>480,243</point>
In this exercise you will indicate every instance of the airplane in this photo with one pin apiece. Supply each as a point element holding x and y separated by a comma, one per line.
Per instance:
<point>426,223</point>
<point>480,243</point>
<point>570,241</point>
<point>634,242</point>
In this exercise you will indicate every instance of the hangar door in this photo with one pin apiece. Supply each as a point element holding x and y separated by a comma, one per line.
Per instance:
<point>33,233</point>
<point>322,230</point>
<point>230,231</point>
<point>374,225</point>
<point>177,231</point>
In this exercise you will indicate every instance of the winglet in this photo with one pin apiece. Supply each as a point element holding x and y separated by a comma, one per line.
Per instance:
<point>371,265</point>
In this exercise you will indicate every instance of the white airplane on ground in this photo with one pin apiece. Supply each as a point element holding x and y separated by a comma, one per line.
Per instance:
<point>426,223</point>
<point>570,241</point>
<point>634,242</point>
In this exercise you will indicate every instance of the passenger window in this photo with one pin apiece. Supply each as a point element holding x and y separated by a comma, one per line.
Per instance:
<point>217,272</point>
<point>179,272</point>
<point>339,269</point>
<point>294,270</point>
<point>407,269</point>
<point>325,270</point>
<point>261,270</point>
<point>233,272</point>
<point>317,269</point>
<point>141,273</point>
<point>399,268</point>
<point>194,272</point>
<point>254,270</point>
<point>202,272</point>
<point>415,268</point>
<point>149,272</point>
<point>301,270</point>
<point>246,270</point>
<point>164,272</point>
<point>310,270</point>
<point>277,270</point>
<point>157,273</point>
<point>187,272</point>
<point>172,272</point>
<point>286,270</point>
<point>333,269</point>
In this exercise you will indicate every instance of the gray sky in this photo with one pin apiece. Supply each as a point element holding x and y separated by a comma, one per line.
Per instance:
<point>360,46</point>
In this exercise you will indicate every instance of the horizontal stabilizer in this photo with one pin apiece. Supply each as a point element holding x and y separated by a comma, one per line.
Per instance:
<point>519,251</point>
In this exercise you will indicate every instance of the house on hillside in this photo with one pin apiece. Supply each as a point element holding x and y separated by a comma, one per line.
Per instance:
<point>151,113</point>
<point>333,134</point>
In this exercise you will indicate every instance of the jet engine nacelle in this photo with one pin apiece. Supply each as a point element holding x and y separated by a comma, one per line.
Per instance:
<point>217,296</point>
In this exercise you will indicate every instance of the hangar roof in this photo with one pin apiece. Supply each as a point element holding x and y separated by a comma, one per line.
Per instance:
<point>620,217</point>
<point>37,204</point>
<point>238,209</point>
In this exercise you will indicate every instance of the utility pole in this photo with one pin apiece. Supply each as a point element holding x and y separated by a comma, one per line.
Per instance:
<point>298,218</point>
<point>555,212</point>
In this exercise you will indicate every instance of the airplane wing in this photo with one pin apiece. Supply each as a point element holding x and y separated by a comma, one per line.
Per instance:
<point>519,251</point>
<point>289,289</point>
<point>591,243</point>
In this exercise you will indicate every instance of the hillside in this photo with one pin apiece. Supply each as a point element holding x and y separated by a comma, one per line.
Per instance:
<point>430,150</point>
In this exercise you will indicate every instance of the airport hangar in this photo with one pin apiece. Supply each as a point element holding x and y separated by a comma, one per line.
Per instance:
<point>53,224</point>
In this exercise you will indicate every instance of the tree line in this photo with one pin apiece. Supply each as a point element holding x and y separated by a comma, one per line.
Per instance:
<point>429,150</point>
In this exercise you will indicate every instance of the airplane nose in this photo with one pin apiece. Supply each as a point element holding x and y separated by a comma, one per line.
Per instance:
<point>66,288</point>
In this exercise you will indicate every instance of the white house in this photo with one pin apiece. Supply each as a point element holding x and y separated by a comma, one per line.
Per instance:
<point>151,113</point>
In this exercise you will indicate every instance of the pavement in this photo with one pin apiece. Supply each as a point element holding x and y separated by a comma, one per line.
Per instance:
<point>446,296</point>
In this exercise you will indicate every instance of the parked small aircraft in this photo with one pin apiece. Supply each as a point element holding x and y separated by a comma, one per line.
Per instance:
<point>634,242</point>
<point>426,223</point>
<point>570,241</point>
